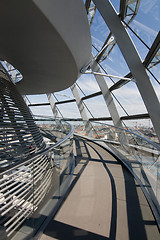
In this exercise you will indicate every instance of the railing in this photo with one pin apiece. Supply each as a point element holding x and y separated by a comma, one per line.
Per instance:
<point>139,154</point>
<point>30,190</point>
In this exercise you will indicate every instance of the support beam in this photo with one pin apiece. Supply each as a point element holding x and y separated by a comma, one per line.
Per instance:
<point>133,60</point>
<point>52,104</point>
<point>138,116</point>
<point>153,51</point>
<point>109,101</point>
<point>87,124</point>
<point>54,109</point>
<point>91,95</point>
<point>107,96</point>
<point>120,83</point>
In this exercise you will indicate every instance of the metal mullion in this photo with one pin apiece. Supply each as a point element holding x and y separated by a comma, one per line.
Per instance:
<point>136,34</point>
<point>29,183</point>
<point>8,147</point>
<point>65,101</point>
<point>12,191</point>
<point>11,176</point>
<point>153,75</point>
<point>40,160</point>
<point>44,183</point>
<point>37,192</point>
<point>6,188</point>
<point>13,224</point>
<point>12,205</point>
<point>36,173</point>
<point>17,171</point>
<point>41,196</point>
<point>37,177</point>
<point>43,190</point>
<point>20,165</point>
<point>38,104</point>
<point>37,166</point>
<point>18,225</point>
<point>15,216</point>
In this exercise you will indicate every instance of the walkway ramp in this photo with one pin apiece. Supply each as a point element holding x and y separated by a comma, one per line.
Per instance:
<point>104,202</point>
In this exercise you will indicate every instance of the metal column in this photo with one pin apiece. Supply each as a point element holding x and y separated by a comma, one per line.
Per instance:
<point>133,60</point>
<point>87,124</point>
<point>52,104</point>
<point>54,109</point>
<point>107,96</point>
<point>109,101</point>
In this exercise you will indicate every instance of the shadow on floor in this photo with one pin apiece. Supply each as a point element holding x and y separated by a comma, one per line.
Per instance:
<point>136,223</point>
<point>136,204</point>
<point>64,231</point>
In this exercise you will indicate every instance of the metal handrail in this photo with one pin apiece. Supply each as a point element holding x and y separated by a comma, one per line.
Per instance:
<point>40,153</point>
<point>147,140</point>
<point>27,184</point>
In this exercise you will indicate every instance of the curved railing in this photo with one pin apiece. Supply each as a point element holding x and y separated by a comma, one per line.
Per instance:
<point>30,190</point>
<point>139,154</point>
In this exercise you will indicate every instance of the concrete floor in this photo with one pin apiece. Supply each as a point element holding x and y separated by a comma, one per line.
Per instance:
<point>105,202</point>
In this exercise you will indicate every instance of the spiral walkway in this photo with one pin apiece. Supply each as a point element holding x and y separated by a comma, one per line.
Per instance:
<point>104,201</point>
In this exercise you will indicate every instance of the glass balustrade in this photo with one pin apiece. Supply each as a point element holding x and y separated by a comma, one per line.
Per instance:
<point>30,191</point>
<point>141,155</point>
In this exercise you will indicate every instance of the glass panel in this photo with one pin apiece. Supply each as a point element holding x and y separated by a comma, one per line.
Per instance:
<point>64,95</point>
<point>42,110</point>
<point>116,4</point>
<point>140,155</point>
<point>41,98</point>
<point>97,106</point>
<point>142,127</point>
<point>99,31</point>
<point>115,64</point>
<point>88,84</point>
<point>130,98</point>
<point>141,48</point>
<point>155,82</point>
<point>69,110</point>
<point>146,22</point>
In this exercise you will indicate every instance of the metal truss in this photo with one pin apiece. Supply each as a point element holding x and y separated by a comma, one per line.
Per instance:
<point>153,56</point>
<point>128,10</point>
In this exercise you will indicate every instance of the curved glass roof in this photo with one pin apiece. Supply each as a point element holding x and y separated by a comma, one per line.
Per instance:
<point>141,20</point>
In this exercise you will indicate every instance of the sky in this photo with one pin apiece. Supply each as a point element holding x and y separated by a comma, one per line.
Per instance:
<point>146,25</point>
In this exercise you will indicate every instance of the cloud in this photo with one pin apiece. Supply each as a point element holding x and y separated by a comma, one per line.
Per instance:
<point>98,43</point>
<point>144,28</point>
<point>88,83</point>
<point>148,6</point>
